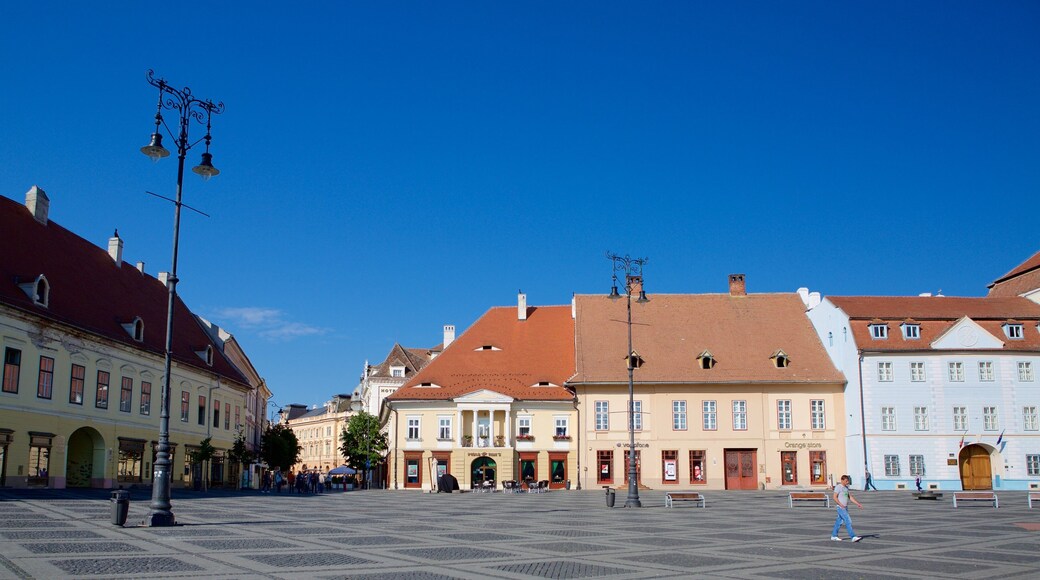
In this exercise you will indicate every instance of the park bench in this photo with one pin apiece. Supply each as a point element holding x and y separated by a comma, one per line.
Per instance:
<point>809,496</point>
<point>987,496</point>
<point>691,496</point>
<point>1033,496</point>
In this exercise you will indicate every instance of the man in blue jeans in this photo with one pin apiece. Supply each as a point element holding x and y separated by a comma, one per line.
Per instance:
<point>842,497</point>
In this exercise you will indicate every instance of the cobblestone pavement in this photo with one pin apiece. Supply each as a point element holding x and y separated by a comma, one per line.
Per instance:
<point>406,535</point>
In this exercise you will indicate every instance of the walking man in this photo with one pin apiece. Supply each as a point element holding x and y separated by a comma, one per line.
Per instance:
<point>870,482</point>
<point>842,497</point>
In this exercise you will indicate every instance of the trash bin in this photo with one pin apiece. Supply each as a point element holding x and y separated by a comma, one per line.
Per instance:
<point>120,506</point>
<point>568,485</point>
<point>611,496</point>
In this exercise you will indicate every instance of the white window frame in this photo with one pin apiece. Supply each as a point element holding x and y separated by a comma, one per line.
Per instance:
<point>917,466</point>
<point>709,416</point>
<point>884,372</point>
<point>917,372</point>
<point>986,371</point>
<point>818,414</point>
<point>990,419</point>
<point>562,426</point>
<point>637,415</point>
<point>679,416</point>
<point>444,427</point>
<point>783,414</point>
<point>1033,465</point>
<point>1025,371</point>
<point>960,418</point>
<point>956,372</point>
<point>740,415</point>
<point>879,331</point>
<point>1030,420</point>
<point>523,425</point>
<point>921,418</point>
<point>891,466</point>
<point>414,428</point>
<point>911,331</point>
<point>397,372</point>
<point>602,415</point>
<point>888,418</point>
<point>1014,331</point>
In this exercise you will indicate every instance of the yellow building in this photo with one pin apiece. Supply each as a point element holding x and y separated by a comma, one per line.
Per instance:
<point>317,431</point>
<point>735,391</point>
<point>82,334</point>
<point>491,408</point>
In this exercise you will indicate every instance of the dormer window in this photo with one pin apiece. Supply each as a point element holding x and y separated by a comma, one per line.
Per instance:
<point>911,331</point>
<point>780,359</point>
<point>487,347</point>
<point>543,384</point>
<point>707,360</point>
<point>1013,330</point>
<point>135,329</point>
<point>427,386</point>
<point>39,290</point>
<point>879,331</point>
<point>397,372</point>
<point>206,355</point>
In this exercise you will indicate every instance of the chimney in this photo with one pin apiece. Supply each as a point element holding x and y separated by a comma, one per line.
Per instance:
<point>140,267</point>
<point>635,284</point>
<point>164,278</point>
<point>521,306</point>
<point>449,335</point>
<point>115,248</point>
<point>737,286</point>
<point>38,203</point>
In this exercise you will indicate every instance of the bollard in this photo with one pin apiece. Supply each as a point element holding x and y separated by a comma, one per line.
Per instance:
<point>120,506</point>
<point>611,496</point>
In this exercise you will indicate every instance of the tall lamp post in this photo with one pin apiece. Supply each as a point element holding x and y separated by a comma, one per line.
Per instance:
<point>186,107</point>
<point>633,271</point>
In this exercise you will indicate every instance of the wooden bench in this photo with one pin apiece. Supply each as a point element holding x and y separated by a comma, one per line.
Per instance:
<point>691,496</point>
<point>987,496</point>
<point>1033,496</point>
<point>809,496</point>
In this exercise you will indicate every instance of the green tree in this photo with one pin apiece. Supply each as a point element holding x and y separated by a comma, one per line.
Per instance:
<point>279,447</point>
<point>239,453</point>
<point>201,457</point>
<point>362,443</point>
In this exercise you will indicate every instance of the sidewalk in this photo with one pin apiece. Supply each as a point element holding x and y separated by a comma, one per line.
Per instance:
<point>396,534</point>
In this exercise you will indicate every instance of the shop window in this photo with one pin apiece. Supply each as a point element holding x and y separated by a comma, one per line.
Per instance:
<point>39,459</point>
<point>639,466</point>
<point>789,467</point>
<point>413,470</point>
<point>605,469</point>
<point>529,467</point>
<point>6,436</point>
<point>698,466</point>
<point>670,466</point>
<point>131,454</point>
<point>557,470</point>
<point>818,466</point>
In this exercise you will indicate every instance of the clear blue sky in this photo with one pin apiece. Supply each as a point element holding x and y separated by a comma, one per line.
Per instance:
<point>391,167</point>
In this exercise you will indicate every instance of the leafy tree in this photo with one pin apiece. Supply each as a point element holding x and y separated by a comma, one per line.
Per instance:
<point>279,447</point>
<point>362,443</point>
<point>239,453</point>
<point>202,456</point>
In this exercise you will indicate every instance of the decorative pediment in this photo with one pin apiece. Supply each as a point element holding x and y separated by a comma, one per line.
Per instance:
<point>967,334</point>
<point>484,396</point>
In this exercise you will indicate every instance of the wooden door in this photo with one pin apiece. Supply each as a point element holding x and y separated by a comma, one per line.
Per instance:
<point>789,467</point>
<point>976,471</point>
<point>639,468</point>
<point>740,469</point>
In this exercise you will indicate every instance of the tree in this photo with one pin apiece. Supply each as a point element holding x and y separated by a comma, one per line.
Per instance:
<point>239,453</point>
<point>362,443</point>
<point>279,447</point>
<point>201,457</point>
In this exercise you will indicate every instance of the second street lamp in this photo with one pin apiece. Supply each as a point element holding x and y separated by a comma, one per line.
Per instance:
<point>633,271</point>
<point>186,107</point>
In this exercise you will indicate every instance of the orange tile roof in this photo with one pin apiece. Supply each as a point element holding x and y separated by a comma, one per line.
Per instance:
<point>1031,264</point>
<point>672,330</point>
<point>539,349</point>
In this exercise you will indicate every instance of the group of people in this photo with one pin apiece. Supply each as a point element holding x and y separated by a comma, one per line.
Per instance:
<point>311,481</point>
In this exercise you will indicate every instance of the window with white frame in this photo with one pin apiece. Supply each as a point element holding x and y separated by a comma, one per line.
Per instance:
<point>986,370</point>
<point>602,416</point>
<point>960,418</point>
<point>444,427</point>
<point>917,372</point>
<point>888,418</point>
<point>917,466</point>
<point>397,372</point>
<point>561,427</point>
<point>783,414</point>
<point>523,426</point>
<point>892,465</point>
<point>816,414</point>
<point>990,421</point>
<point>1025,371</point>
<point>740,415</point>
<point>920,418</point>
<point>1013,331</point>
<point>879,331</point>
<point>413,428</point>
<point>911,331</point>
<point>884,372</point>
<point>1033,465</point>
<point>708,415</point>
<point>957,372</point>
<point>1029,418</point>
<point>637,415</point>
<point>679,415</point>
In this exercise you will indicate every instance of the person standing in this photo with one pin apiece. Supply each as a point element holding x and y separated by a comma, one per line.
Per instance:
<point>842,497</point>
<point>870,482</point>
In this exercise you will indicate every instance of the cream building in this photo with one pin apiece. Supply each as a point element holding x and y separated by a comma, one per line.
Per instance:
<point>82,334</point>
<point>317,430</point>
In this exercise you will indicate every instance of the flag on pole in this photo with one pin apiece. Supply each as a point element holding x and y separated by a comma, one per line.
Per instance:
<point>1002,446</point>
<point>1001,438</point>
<point>962,441</point>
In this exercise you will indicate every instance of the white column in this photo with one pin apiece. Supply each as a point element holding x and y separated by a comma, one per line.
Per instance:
<point>458,427</point>
<point>475,432</point>
<point>508,428</point>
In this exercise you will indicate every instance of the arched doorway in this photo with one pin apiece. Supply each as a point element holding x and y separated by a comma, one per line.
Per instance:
<point>482,469</point>
<point>85,459</point>
<point>976,469</point>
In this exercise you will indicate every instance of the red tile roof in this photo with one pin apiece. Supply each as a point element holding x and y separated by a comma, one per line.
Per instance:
<point>88,291</point>
<point>412,359</point>
<point>936,315</point>
<point>1030,264</point>
<point>539,349</point>
<point>672,330</point>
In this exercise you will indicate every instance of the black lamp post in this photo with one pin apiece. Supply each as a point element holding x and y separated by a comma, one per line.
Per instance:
<point>633,270</point>
<point>186,107</point>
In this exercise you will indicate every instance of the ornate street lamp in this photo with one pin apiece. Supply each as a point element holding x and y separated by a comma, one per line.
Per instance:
<point>186,108</point>
<point>633,270</point>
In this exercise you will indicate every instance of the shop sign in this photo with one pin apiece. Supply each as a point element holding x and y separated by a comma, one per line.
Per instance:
<point>803,445</point>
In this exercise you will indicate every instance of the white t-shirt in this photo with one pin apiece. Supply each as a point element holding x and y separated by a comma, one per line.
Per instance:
<point>843,494</point>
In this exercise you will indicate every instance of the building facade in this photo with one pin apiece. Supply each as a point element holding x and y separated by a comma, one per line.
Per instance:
<point>492,406</point>
<point>940,388</point>
<point>318,430</point>
<point>734,391</point>
<point>82,334</point>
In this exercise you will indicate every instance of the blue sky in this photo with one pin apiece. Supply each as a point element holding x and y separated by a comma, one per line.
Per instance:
<point>391,167</point>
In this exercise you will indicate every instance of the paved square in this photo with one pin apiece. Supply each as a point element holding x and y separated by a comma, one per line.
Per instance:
<point>396,534</point>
